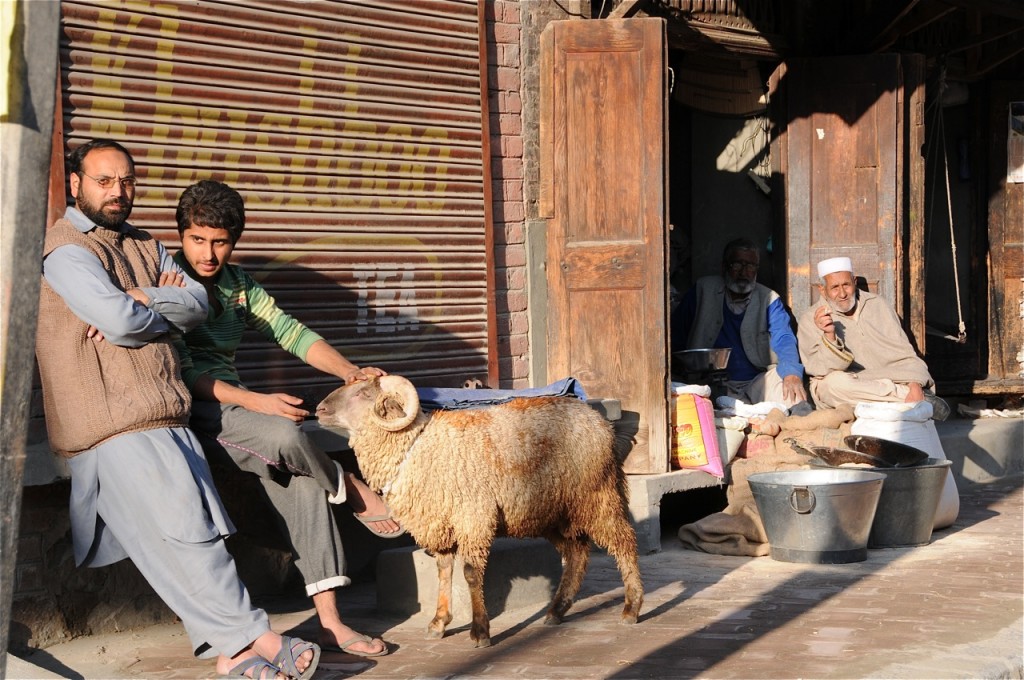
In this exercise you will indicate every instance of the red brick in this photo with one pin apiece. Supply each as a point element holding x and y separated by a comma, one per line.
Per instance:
<point>511,146</point>
<point>515,233</point>
<point>510,190</point>
<point>513,301</point>
<point>507,34</point>
<point>510,102</point>
<point>508,11</point>
<point>510,124</point>
<point>514,256</point>
<point>507,168</point>
<point>508,55</point>
<point>507,79</point>
<point>509,211</point>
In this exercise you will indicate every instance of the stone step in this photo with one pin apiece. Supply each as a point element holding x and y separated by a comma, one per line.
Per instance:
<point>520,573</point>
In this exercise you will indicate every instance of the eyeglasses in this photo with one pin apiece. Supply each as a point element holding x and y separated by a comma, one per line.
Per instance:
<point>737,267</point>
<point>107,182</point>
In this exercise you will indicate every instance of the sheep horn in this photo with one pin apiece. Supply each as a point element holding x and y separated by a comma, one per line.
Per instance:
<point>403,391</point>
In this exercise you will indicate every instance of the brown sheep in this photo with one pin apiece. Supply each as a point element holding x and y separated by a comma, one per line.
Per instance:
<point>531,467</point>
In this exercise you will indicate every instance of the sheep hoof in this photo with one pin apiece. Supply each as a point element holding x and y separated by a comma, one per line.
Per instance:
<point>552,620</point>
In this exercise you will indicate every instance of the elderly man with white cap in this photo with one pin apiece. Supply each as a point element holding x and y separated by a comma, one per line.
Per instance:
<point>854,348</point>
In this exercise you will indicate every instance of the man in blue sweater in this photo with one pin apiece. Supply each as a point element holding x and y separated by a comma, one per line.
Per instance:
<point>733,310</point>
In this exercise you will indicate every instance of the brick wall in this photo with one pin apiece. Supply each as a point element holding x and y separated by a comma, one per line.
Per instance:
<point>506,125</point>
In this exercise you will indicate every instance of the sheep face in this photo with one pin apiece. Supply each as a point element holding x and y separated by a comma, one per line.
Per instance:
<point>384,401</point>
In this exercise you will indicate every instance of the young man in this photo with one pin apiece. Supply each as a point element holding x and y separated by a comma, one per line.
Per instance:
<point>247,431</point>
<point>116,408</point>
<point>733,310</point>
<point>854,347</point>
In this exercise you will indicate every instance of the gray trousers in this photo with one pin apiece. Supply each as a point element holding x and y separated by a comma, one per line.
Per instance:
<point>149,496</point>
<point>296,475</point>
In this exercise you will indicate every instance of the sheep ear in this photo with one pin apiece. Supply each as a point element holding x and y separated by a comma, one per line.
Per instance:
<point>388,407</point>
<point>397,404</point>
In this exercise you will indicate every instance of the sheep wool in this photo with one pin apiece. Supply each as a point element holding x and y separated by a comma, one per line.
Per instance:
<point>456,480</point>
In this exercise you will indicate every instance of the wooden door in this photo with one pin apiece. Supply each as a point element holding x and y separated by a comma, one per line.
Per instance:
<point>1006,236</point>
<point>844,128</point>
<point>603,177</point>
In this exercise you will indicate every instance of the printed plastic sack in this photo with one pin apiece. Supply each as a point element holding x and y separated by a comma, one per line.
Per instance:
<point>731,431</point>
<point>694,439</point>
<point>910,424</point>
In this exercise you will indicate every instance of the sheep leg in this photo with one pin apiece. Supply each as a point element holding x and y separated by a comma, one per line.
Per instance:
<point>575,553</point>
<point>480,630</point>
<point>616,535</point>
<point>443,616</point>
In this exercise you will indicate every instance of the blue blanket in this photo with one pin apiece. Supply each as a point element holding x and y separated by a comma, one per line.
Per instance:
<point>453,398</point>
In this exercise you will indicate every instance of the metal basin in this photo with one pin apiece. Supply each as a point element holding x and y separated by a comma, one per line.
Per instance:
<point>819,516</point>
<point>699,360</point>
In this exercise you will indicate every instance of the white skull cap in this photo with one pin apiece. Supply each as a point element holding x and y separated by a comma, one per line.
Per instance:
<point>833,265</point>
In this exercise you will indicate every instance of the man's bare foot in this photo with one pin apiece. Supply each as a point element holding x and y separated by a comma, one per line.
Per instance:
<point>270,644</point>
<point>248,664</point>
<point>365,503</point>
<point>333,639</point>
<point>915,393</point>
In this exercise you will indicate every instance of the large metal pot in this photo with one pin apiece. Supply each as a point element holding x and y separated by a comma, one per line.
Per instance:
<point>701,360</point>
<point>818,516</point>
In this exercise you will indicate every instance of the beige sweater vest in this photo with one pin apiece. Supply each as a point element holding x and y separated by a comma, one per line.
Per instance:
<point>93,391</point>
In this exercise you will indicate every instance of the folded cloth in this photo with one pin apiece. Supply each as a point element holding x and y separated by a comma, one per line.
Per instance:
<point>454,398</point>
<point>738,530</point>
<point>738,407</point>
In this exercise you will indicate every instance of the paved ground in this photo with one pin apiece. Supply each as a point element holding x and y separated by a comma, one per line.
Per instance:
<point>952,609</point>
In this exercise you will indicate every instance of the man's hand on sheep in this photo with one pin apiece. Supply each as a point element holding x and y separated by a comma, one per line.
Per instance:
<point>364,373</point>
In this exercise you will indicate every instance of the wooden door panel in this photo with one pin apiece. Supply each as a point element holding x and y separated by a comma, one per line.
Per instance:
<point>603,178</point>
<point>842,141</point>
<point>1006,239</point>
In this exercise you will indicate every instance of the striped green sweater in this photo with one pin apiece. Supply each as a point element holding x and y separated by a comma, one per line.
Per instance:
<point>210,348</point>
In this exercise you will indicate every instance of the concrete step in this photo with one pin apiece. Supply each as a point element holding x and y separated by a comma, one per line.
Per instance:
<point>520,573</point>
<point>983,450</point>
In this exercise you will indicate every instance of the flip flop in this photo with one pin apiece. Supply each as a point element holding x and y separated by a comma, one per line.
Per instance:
<point>254,663</point>
<point>291,649</point>
<point>365,521</point>
<point>344,647</point>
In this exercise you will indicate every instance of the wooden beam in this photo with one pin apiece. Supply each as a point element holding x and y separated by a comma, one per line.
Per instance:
<point>693,35</point>
<point>926,15</point>
<point>888,16</point>
<point>626,8</point>
<point>1009,52</point>
<point>986,37</point>
<point>1010,9</point>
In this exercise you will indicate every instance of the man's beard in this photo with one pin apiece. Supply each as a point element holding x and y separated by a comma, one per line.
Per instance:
<point>103,219</point>
<point>740,287</point>
<point>850,304</point>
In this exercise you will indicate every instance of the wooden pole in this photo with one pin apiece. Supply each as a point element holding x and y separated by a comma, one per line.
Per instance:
<point>31,29</point>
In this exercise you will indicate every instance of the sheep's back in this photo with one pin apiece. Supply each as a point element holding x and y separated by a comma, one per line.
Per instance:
<point>525,466</point>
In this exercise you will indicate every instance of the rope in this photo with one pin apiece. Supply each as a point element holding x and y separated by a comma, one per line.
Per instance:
<point>961,336</point>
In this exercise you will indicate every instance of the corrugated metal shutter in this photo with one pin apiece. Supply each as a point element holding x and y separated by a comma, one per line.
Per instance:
<point>354,132</point>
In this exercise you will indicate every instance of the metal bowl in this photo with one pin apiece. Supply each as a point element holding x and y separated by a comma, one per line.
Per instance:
<point>896,454</point>
<point>698,360</point>
<point>835,456</point>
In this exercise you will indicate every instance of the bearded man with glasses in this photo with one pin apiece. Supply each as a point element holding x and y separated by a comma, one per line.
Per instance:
<point>117,409</point>
<point>733,310</point>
